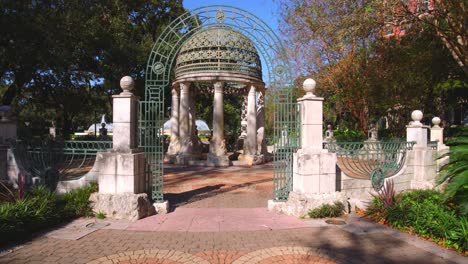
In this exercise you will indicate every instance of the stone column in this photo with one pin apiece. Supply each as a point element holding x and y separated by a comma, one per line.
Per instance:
<point>184,119</point>
<point>437,133</point>
<point>314,168</point>
<point>125,106</point>
<point>416,132</point>
<point>217,155</point>
<point>174,146</point>
<point>193,125</point>
<point>311,118</point>
<point>421,160</point>
<point>121,177</point>
<point>216,144</point>
<point>250,146</point>
<point>261,144</point>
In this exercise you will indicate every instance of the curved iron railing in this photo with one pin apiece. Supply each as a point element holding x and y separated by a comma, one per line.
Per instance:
<point>54,160</point>
<point>374,160</point>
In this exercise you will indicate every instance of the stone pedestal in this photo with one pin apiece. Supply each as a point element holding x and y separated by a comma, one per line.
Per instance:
<point>314,169</point>
<point>121,172</point>
<point>122,179</point>
<point>218,161</point>
<point>127,206</point>
<point>421,160</point>
<point>314,172</point>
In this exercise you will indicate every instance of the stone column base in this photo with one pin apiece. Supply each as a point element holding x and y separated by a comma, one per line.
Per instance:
<point>252,159</point>
<point>299,204</point>
<point>218,161</point>
<point>122,205</point>
<point>184,159</point>
<point>162,207</point>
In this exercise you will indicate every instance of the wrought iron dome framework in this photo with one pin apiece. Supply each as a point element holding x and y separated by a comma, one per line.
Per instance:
<point>218,50</point>
<point>272,60</point>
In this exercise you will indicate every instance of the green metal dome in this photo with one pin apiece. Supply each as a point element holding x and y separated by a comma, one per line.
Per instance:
<point>218,50</point>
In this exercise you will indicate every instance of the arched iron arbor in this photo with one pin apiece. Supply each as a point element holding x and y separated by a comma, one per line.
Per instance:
<point>276,75</point>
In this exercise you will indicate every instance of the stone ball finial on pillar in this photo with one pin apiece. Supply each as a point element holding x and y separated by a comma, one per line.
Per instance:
<point>309,87</point>
<point>127,84</point>
<point>436,122</point>
<point>417,116</point>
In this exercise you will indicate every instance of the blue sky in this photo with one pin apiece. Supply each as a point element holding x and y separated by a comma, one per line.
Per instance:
<point>267,10</point>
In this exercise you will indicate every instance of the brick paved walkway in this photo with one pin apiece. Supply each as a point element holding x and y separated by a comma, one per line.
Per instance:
<point>311,243</point>
<point>208,187</point>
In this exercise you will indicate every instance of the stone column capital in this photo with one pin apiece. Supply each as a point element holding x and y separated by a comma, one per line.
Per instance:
<point>175,90</point>
<point>218,87</point>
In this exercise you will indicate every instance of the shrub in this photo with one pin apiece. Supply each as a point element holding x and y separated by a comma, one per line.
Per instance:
<point>383,201</point>
<point>42,208</point>
<point>455,172</point>
<point>35,211</point>
<point>328,210</point>
<point>348,135</point>
<point>425,213</point>
<point>76,203</point>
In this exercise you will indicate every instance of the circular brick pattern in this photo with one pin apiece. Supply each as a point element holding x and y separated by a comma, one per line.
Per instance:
<point>283,255</point>
<point>279,255</point>
<point>153,256</point>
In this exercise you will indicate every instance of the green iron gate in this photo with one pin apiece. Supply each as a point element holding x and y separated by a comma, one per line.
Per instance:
<point>276,75</point>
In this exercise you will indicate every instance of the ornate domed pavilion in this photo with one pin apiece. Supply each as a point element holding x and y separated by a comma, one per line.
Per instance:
<point>217,60</point>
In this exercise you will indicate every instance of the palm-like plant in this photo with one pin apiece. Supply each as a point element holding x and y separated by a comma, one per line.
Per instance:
<point>455,172</point>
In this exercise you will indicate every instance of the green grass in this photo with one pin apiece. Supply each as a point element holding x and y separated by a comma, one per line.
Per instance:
<point>328,210</point>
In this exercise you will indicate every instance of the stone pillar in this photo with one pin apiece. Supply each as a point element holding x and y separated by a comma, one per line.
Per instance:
<point>311,118</point>
<point>415,131</point>
<point>437,133</point>
<point>421,160</point>
<point>217,155</point>
<point>250,145</point>
<point>174,146</point>
<point>125,128</point>
<point>184,119</point>
<point>121,178</point>
<point>194,141</point>
<point>314,168</point>
<point>261,143</point>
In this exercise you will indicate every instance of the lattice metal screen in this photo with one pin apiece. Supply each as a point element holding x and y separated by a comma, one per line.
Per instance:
<point>276,73</point>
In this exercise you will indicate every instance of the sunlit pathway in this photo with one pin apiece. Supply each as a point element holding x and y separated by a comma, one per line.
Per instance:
<point>220,216</point>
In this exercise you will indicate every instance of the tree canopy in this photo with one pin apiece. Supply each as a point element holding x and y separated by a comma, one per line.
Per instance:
<point>67,57</point>
<point>364,74</point>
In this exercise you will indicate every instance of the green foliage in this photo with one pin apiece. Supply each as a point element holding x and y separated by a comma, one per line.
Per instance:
<point>100,215</point>
<point>425,213</point>
<point>36,211</point>
<point>77,202</point>
<point>455,172</point>
<point>11,195</point>
<point>41,208</point>
<point>348,135</point>
<point>328,210</point>
<point>54,52</point>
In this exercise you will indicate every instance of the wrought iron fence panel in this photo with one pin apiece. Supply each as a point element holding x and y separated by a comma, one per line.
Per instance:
<point>374,160</point>
<point>54,160</point>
